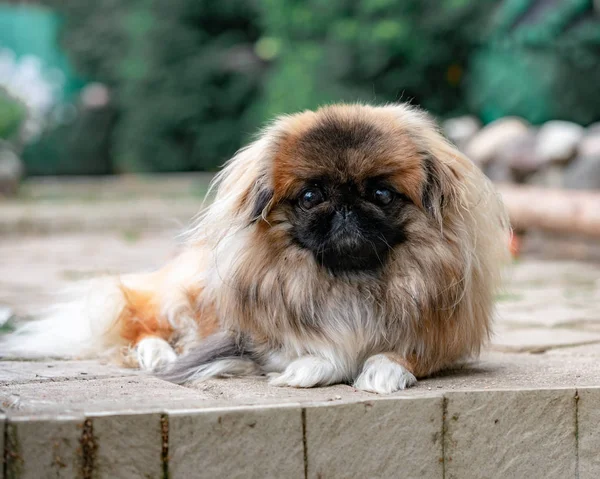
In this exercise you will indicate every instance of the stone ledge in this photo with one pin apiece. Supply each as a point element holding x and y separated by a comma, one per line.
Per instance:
<point>504,423</point>
<point>523,433</point>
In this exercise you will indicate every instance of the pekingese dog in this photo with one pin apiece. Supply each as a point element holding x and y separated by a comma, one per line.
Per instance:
<point>353,244</point>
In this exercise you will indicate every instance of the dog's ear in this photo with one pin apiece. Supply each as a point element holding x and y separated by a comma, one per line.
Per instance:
<point>261,198</point>
<point>443,165</point>
<point>435,191</point>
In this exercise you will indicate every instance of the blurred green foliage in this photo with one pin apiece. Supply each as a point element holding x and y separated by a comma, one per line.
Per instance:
<point>12,117</point>
<point>183,76</point>
<point>191,80</point>
<point>540,60</point>
<point>371,50</point>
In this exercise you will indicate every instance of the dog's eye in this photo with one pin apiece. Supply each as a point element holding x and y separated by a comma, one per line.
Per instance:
<point>311,198</point>
<point>383,196</point>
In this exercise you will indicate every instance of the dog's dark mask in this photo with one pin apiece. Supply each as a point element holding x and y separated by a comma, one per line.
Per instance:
<point>348,226</point>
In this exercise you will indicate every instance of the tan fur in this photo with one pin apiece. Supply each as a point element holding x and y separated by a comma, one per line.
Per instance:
<point>141,317</point>
<point>430,305</point>
<point>435,301</point>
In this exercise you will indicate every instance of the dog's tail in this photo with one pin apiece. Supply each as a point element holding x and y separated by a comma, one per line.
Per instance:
<point>220,354</point>
<point>95,318</point>
<point>85,324</point>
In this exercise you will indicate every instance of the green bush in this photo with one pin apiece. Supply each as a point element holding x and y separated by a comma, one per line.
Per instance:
<point>541,61</point>
<point>183,74</point>
<point>12,116</point>
<point>371,50</point>
<point>191,80</point>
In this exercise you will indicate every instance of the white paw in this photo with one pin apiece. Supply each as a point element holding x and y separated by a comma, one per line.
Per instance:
<point>153,353</point>
<point>383,376</point>
<point>307,372</point>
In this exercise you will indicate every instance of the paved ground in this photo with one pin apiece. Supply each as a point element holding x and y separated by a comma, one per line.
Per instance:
<point>535,389</point>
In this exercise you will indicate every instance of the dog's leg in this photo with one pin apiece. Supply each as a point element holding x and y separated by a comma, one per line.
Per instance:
<point>309,371</point>
<point>153,353</point>
<point>385,374</point>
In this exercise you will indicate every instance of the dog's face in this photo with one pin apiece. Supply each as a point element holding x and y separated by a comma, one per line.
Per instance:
<point>349,185</point>
<point>348,225</point>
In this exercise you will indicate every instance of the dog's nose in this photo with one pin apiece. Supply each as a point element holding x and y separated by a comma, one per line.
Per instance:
<point>345,212</point>
<point>344,220</point>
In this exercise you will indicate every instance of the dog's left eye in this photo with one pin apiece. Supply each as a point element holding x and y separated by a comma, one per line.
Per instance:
<point>311,198</point>
<point>383,196</point>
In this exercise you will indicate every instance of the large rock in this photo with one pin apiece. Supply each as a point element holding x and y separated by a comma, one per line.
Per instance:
<point>518,156</point>
<point>557,141</point>
<point>548,176</point>
<point>583,173</point>
<point>461,129</point>
<point>590,144</point>
<point>489,141</point>
<point>11,171</point>
<point>500,173</point>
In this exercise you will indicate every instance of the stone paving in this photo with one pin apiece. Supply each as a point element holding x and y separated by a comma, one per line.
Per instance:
<point>527,408</point>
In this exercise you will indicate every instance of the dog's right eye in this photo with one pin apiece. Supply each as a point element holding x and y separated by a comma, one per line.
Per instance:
<point>311,197</point>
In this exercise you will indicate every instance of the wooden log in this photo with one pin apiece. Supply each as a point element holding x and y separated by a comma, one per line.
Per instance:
<point>552,210</point>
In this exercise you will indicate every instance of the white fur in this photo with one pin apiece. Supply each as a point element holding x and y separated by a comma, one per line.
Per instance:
<point>84,324</point>
<point>383,376</point>
<point>79,328</point>
<point>154,353</point>
<point>307,372</point>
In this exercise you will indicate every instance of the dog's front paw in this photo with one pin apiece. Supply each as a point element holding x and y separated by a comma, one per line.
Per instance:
<point>382,375</point>
<point>307,372</point>
<point>154,353</point>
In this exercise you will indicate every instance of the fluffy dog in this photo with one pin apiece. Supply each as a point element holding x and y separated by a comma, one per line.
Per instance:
<point>352,244</point>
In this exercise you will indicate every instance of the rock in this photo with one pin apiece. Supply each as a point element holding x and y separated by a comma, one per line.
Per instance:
<point>590,144</point>
<point>6,313</point>
<point>499,173</point>
<point>95,95</point>
<point>518,156</point>
<point>583,173</point>
<point>557,141</point>
<point>461,129</point>
<point>490,140</point>
<point>11,171</point>
<point>549,176</point>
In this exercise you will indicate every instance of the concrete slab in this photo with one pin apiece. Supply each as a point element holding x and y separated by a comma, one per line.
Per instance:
<point>16,372</point>
<point>137,392</point>
<point>237,443</point>
<point>588,433</point>
<point>2,434</point>
<point>510,434</point>
<point>39,446</point>
<point>127,445</point>
<point>118,395</point>
<point>384,439</point>
<point>152,214</point>
<point>540,340</point>
<point>34,269</point>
